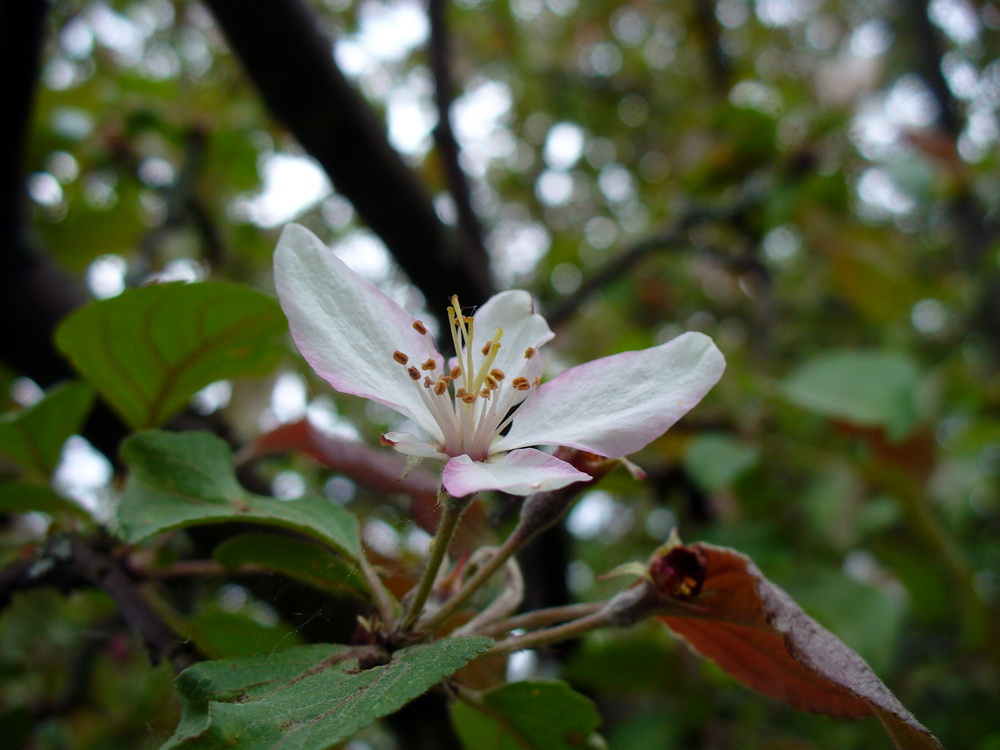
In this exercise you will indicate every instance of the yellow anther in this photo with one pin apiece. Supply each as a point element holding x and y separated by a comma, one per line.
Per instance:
<point>469,398</point>
<point>485,393</point>
<point>455,372</point>
<point>419,327</point>
<point>400,357</point>
<point>440,387</point>
<point>413,372</point>
<point>430,364</point>
<point>428,382</point>
<point>497,373</point>
<point>521,384</point>
<point>492,383</point>
<point>529,352</point>
<point>486,348</point>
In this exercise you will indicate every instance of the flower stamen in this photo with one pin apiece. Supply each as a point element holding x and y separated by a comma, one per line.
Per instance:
<point>452,397</point>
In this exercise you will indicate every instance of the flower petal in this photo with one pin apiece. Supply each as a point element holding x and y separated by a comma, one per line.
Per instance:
<point>514,312</point>
<point>346,328</point>
<point>616,405</point>
<point>521,472</point>
<point>411,445</point>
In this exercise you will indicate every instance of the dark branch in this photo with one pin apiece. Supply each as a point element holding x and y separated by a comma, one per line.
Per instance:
<point>68,564</point>
<point>672,236</point>
<point>22,30</point>
<point>929,53</point>
<point>292,65</point>
<point>709,30</point>
<point>965,210</point>
<point>34,293</point>
<point>444,134</point>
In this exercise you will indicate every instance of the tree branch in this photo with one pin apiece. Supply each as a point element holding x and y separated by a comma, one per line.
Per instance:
<point>671,236</point>
<point>68,563</point>
<point>33,291</point>
<point>444,134</point>
<point>293,68</point>
<point>22,30</point>
<point>35,294</point>
<point>710,30</point>
<point>928,54</point>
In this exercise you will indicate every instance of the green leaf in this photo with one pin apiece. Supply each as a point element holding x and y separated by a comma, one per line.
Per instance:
<point>538,715</point>
<point>180,479</point>
<point>222,634</point>
<point>300,559</point>
<point>869,388</point>
<point>26,497</point>
<point>34,436</point>
<point>150,349</point>
<point>307,697</point>
<point>716,461</point>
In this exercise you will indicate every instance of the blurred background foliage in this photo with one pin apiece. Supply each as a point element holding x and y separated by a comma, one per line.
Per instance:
<point>813,183</point>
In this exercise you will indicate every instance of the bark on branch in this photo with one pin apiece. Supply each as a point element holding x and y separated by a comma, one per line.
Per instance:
<point>69,564</point>
<point>293,67</point>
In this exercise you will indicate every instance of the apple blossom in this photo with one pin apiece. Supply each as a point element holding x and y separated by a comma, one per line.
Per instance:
<point>484,410</point>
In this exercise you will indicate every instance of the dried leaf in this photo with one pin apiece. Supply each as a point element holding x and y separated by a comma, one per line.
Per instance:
<point>380,470</point>
<point>759,635</point>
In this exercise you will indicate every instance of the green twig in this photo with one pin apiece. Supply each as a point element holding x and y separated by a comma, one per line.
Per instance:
<point>572,629</point>
<point>386,603</point>
<point>542,618</point>
<point>507,550</point>
<point>452,509</point>
<point>539,512</point>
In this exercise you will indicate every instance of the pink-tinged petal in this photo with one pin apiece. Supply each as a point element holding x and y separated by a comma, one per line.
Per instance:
<point>346,328</point>
<point>520,472</point>
<point>514,312</point>
<point>411,445</point>
<point>616,405</point>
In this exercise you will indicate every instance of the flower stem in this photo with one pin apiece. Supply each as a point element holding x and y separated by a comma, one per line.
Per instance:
<point>386,603</point>
<point>542,617</point>
<point>627,607</point>
<point>540,511</point>
<point>451,512</point>
<point>567,630</point>
<point>491,566</point>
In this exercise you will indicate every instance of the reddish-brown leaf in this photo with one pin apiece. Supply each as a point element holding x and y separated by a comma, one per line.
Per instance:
<point>377,469</point>
<point>757,633</point>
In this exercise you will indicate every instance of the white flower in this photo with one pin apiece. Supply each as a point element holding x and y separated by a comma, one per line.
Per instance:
<point>484,410</point>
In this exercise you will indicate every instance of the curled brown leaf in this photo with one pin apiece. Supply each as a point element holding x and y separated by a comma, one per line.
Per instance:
<point>758,634</point>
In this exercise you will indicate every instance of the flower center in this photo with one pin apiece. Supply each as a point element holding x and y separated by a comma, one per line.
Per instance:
<point>471,402</point>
